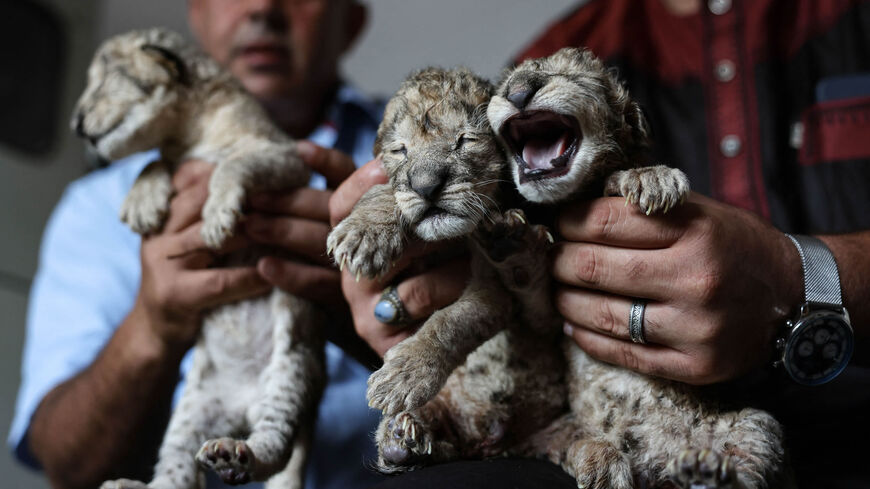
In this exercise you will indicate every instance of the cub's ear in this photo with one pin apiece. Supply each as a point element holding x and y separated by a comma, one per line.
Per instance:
<point>170,61</point>
<point>636,120</point>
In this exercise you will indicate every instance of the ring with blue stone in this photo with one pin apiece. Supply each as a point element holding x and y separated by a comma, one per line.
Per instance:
<point>390,310</point>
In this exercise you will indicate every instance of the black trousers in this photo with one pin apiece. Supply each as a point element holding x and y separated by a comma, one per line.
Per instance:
<point>504,473</point>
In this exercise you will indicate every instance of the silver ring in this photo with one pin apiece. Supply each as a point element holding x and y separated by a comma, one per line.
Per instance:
<point>635,321</point>
<point>390,309</point>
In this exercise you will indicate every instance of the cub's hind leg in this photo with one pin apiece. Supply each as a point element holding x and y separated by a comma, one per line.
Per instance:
<point>289,386</point>
<point>199,415</point>
<point>746,453</point>
<point>411,439</point>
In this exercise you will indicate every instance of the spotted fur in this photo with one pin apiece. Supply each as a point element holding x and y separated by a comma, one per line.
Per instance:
<point>258,365</point>
<point>624,430</point>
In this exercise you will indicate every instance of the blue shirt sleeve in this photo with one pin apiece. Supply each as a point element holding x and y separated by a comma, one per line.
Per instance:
<point>86,283</point>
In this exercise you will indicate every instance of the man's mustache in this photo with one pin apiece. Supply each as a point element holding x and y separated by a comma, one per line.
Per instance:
<point>257,34</point>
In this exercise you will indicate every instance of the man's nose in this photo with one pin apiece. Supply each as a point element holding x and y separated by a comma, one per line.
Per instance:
<point>270,12</point>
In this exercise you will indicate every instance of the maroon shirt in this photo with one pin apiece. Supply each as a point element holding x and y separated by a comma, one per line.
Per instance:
<point>746,99</point>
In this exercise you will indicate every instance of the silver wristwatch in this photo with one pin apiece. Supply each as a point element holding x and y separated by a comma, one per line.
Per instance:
<point>817,345</point>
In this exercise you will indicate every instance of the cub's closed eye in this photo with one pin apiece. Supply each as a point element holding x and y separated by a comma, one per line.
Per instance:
<point>464,138</point>
<point>400,150</point>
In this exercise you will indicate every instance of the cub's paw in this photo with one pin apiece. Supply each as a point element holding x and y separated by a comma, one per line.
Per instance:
<point>701,469</point>
<point>597,464</point>
<point>364,249</point>
<point>124,484</point>
<point>231,459</point>
<point>147,204</point>
<point>408,379</point>
<point>403,441</point>
<point>653,188</point>
<point>220,215</point>
<point>510,234</point>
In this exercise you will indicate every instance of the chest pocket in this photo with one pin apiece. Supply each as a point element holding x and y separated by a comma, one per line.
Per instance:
<point>836,130</point>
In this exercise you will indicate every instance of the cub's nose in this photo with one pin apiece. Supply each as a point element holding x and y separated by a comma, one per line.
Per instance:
<point>521,97</point>
<point>429,184</point>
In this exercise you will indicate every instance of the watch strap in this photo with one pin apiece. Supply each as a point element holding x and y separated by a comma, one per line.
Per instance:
<point>821,278</point>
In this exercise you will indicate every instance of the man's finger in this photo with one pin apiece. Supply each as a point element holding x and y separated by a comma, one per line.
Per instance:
<point>319,284</point>
<point>427,292</point>
<point>609,314</point>
<point>190,173</point>
<point>334,165</point>
<point>215,286</point>
<point>186,207</point>
<point>647,359</point>
<point>613,221</point>
<point>623,271</point>
<point>303,202</point>
<point>350,191</point>
<point>300,236</point>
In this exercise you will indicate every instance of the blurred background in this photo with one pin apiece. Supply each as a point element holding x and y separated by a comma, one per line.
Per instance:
<point>45,46</point>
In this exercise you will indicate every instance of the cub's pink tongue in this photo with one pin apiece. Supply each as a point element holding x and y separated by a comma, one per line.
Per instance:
<point>538,153</point>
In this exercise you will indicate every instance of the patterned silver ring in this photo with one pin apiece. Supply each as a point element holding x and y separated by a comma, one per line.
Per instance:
<point>635,321</point>
<point>390,309</point>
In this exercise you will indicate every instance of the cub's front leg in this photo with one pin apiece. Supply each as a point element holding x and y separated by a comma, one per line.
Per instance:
<point>652,188</point>
<point>147,203</point>
<point>262,166</point>
<point>517,251</point>
<point>416,369</point>
<point>370,239</point>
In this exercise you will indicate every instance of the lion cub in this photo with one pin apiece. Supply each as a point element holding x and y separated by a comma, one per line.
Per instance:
<point>473,381</point>
<point>258,364</point>
<point>571,130</point>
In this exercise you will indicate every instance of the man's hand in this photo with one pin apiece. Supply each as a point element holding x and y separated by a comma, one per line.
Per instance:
<point>422,293</point>
<point>298,222</point>
<point>177,285</point>
<point>719,282</point>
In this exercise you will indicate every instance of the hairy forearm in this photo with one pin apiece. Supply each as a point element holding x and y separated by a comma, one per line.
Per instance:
<point>853,261</point>
<point>108,420</point>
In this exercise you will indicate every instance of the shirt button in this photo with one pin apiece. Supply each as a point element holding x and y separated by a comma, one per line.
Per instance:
<point>725,70</point>
<point>730,146</point>
<point>719,7</point>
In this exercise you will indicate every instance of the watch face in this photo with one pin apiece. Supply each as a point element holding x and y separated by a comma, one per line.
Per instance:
<point>819,348</point>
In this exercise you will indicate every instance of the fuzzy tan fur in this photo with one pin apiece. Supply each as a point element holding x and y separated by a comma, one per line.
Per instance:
<point>258,366</point>
<point>624,430</point>
<point>472,381</point>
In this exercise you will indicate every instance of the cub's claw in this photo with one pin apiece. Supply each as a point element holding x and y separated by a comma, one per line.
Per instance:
<point>701,469</point>
<point>402,442</point>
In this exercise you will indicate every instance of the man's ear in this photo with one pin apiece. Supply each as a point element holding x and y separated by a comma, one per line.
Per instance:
<point>170,61</point>
<point>357,17</point>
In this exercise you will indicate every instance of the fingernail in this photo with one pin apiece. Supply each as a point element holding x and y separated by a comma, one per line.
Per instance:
<point>305,149</point>
<point>568,329</point>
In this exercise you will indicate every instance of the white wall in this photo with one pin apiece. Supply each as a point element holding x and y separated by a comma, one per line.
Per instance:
<point>403,35</point>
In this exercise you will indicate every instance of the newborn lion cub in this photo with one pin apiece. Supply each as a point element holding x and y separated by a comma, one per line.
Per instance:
<point>257,366</point>
<point>571,131</point>
<point>474,380</point>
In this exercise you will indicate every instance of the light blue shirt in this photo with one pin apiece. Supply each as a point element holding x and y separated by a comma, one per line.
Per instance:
<point>88,278</point>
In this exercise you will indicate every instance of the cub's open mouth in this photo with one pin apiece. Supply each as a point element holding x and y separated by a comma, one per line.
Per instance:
<point>543,143</point>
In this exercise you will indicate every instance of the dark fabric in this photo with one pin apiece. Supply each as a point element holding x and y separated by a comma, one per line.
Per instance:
<point>481,474</point>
